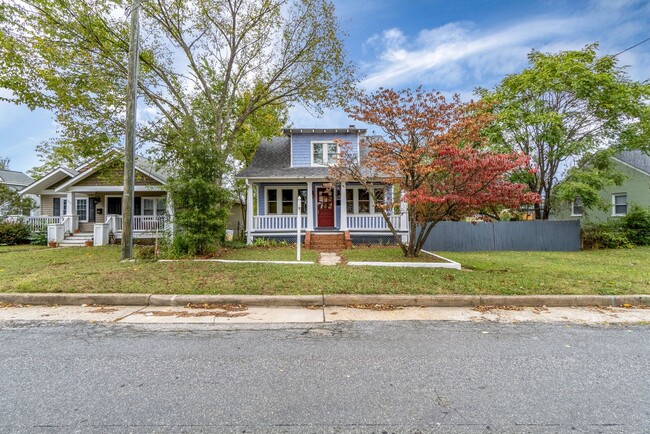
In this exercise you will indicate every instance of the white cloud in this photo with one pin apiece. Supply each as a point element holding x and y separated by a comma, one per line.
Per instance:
<point>460,54</point>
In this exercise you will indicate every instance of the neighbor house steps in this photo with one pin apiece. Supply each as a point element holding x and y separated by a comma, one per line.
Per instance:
<point>76,240</point>
<point>328,242</point>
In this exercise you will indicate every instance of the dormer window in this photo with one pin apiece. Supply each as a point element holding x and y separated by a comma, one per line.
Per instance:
<point>323,153</point>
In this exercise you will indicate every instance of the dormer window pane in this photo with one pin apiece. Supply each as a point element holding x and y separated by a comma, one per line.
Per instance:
<point>318,154</point>
<point>331,153</point>
<point>324,153</point>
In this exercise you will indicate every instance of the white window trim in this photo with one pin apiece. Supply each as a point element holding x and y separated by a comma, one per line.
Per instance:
<point>278,190</point>
<point>355,200</point>
<point>322,143</point>
<point>155,205</point>
<point>614,214</point>
<point>573,212</point>
<point>85,199</point>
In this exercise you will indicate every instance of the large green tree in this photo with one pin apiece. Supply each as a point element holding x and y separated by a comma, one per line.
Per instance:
<point>214,74</point>
<point>239,56</point>
<point>560,111</point>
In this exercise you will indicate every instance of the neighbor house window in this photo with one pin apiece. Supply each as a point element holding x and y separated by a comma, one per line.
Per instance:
<point>82,209</point>
<point>619,204</point>
<point>272,200</point>
<point>323,153</point>
<point>148,206</point>
<point>576,207</point>
<point>161,206</point>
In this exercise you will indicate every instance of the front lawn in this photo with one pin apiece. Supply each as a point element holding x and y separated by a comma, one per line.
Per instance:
<point>383,254</point>
<point>284,253</point>
<point>98,269</point>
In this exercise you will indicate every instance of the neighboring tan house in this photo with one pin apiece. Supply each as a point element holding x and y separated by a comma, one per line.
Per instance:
<point>14,180</point>
<point>296,166</point>
<point>635,165</point>
<point>88,198</point>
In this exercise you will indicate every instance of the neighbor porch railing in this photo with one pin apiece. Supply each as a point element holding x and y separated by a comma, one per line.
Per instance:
<point>36,223</point>
<point>374,222</point>
<point>141,223</point>
<point>277,222</point>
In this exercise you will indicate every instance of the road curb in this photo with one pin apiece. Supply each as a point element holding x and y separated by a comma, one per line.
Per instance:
<point>327,300</point>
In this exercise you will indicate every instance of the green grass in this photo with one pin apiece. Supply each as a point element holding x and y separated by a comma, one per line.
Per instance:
<point>98,269</point>
<point>285,253</point>
<point>20,248</point>
<point>383,254</point>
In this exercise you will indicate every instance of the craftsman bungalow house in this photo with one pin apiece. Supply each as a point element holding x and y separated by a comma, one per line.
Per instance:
<point>85,203</point>
<point>296,166</point>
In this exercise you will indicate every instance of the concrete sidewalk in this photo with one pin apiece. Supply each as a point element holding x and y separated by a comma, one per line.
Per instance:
<point>239,314</point>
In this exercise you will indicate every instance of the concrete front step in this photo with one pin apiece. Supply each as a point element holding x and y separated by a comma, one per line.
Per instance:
<point>76,240</point>
<point>80,236</point>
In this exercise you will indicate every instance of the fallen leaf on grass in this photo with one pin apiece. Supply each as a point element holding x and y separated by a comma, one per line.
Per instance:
<point>373,306</point>
<point>227,307</point>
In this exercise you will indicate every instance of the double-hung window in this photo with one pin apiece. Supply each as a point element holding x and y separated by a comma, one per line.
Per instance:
<point>82,209</point>
<point>323,153</point>
<point>148,206</point>
<point>619,204</point>
<point>287,201</point>
<point>576,207</point>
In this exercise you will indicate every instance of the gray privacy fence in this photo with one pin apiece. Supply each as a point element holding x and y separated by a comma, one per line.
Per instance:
<point>537,235</point>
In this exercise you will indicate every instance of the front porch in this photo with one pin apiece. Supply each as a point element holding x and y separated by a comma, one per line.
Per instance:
<point>346,208</point>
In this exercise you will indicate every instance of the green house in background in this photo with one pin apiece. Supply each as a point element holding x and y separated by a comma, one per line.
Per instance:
<point>635,165</point>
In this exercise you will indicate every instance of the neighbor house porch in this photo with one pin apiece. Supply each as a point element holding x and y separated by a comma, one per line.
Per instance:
<point>99,214</point>
<point>323,208</point>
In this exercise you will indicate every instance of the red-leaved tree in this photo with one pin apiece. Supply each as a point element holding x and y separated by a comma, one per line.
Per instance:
<point>434,151</point>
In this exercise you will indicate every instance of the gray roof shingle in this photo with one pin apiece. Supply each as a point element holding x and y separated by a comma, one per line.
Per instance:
<point>12,177</point>
<point>637,159</point>
<point>273,160</point>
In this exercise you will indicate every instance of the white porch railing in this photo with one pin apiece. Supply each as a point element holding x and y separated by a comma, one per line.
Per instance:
<point>37,223</point>
<point>143,223</point>
<point>373,222</point>
<point>277,222</point>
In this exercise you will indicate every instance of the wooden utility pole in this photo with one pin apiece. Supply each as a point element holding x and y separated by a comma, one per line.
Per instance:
<point>129,142</point>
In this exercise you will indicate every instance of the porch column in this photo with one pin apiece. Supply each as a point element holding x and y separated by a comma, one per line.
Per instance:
<point>170,215</point>
<point>249,212</point>
<point>344,209</point>
<point>403,210</point>
<point>72,211</point>
<point>310,206</point>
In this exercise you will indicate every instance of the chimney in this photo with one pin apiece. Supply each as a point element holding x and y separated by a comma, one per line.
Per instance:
<point>351,126</point>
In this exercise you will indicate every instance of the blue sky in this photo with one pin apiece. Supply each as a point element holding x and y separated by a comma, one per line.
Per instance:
<point>451,46</point>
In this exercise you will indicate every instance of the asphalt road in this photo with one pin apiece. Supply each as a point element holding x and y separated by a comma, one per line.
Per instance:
<point>345,377</point>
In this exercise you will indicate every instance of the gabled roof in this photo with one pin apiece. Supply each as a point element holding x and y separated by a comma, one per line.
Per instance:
<point>57,175</point>
<point>142,165</point>
<point>636,159</point>
<point>273,160</point>
<point>12,177</point>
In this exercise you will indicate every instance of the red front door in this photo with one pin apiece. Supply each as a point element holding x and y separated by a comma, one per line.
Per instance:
<point>325,207</point>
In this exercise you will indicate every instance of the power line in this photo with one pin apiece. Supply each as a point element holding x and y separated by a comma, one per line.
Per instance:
<point>633,46</point>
